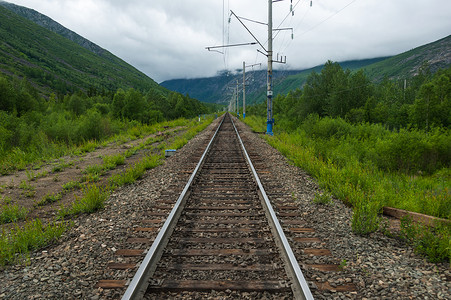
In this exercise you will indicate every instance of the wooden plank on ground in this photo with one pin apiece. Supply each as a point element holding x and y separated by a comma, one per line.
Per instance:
<point>326,267</point>
<point>111,284</point>
<point>417,217</point>
<point>146,229</point>
<point>301,229</point>
<point>317,252</point>
<point>121,266</point>
<point>138,240</point>
<point>130,252</point>
<point>206,240</point>
<point>222,267</point>
<point>215,252</point>
<point>219,285</point>
<point>348,287</point>
<point>307,240</point>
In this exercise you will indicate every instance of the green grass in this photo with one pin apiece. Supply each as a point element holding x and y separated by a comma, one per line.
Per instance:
<point>93,199</point>
<point>366,187</point>
<point>60,167</point>
<point>135,172</point>
<point>28,190</point>
<point>110,162</point>
<point>49,198</point>
<point>322,198</point>
<point>17,244</point>
<point>7,200</point>
<point>12,213</point>
<point>71,185</point>
<point>434,243</point>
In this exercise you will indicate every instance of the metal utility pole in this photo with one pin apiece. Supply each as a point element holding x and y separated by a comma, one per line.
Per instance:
<point>269,114</point>
<point>244,90</point>
<point>244,87</point>
<point>237,101</point>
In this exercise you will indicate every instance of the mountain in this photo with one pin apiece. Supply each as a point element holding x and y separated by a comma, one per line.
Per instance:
<point>292,82</point>
<point>437,55</point>
<point>215,89</point>
<point>57,60</point>
<point>219,89</point>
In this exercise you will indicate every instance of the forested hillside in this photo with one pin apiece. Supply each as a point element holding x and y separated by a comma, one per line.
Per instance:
<point>48,23</point>
<point>55,64</point>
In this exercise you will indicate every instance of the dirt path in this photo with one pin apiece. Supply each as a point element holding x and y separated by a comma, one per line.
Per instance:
<point>29,187</point>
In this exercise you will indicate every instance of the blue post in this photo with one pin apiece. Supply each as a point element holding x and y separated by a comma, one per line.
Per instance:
<point>244,116</point>
<point>269,125</point>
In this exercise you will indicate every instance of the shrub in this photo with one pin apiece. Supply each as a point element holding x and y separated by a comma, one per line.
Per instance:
<point>322,198</point>
<point>32,236</point>
<point>93,199</point>
<point>12,213</point>
<point>365,218</point>
<point>434,243</point>
<point>49,198</point>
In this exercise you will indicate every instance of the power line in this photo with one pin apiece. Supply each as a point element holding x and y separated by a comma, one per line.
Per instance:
<point>328,18</point>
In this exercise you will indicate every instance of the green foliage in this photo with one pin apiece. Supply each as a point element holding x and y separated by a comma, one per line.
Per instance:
<point>17,244</point>
<point>28,190</point>
<point>135,172</point>
<point>7,200</point>
<point>49,198</point>
<point>55,127</point>
<point>434,243</point>
<point>49,62</point>
<point>365,217</point>
<point>12,213</point>
<point>93,199</point>
<point>94,169</point>
<point>24,185</point>
<point>71,185</point>
<point>322,198</point>
<point>409,151</point>
<point>110,162</point>
<point>352,162</point>
<point>424,103</point>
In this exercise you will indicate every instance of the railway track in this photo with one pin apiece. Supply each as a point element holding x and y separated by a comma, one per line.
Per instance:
<point>221,235</point>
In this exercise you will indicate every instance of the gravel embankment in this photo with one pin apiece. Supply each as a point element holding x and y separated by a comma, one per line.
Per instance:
<point>381,267</point>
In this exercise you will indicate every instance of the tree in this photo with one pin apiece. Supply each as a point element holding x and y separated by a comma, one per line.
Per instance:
<point>7,97</point>
<point>135,107</point>
<point>118,103</point>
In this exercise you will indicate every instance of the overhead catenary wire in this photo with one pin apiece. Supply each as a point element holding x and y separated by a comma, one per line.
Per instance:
<point>316,25</point>
<point>328,18</point>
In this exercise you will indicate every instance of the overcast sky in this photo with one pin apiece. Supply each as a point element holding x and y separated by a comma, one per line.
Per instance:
<point>166,39</point>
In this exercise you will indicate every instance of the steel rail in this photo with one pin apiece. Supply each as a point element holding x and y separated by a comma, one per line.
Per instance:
<point>140,281</point>
<point>300,288</point>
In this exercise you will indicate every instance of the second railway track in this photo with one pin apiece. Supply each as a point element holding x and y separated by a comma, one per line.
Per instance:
<point>218,236</point>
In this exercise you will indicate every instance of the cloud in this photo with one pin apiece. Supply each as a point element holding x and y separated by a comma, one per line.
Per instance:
<point>167,39</point>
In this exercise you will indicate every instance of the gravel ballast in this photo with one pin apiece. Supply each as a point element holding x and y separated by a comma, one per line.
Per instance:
<point>380,267</point>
